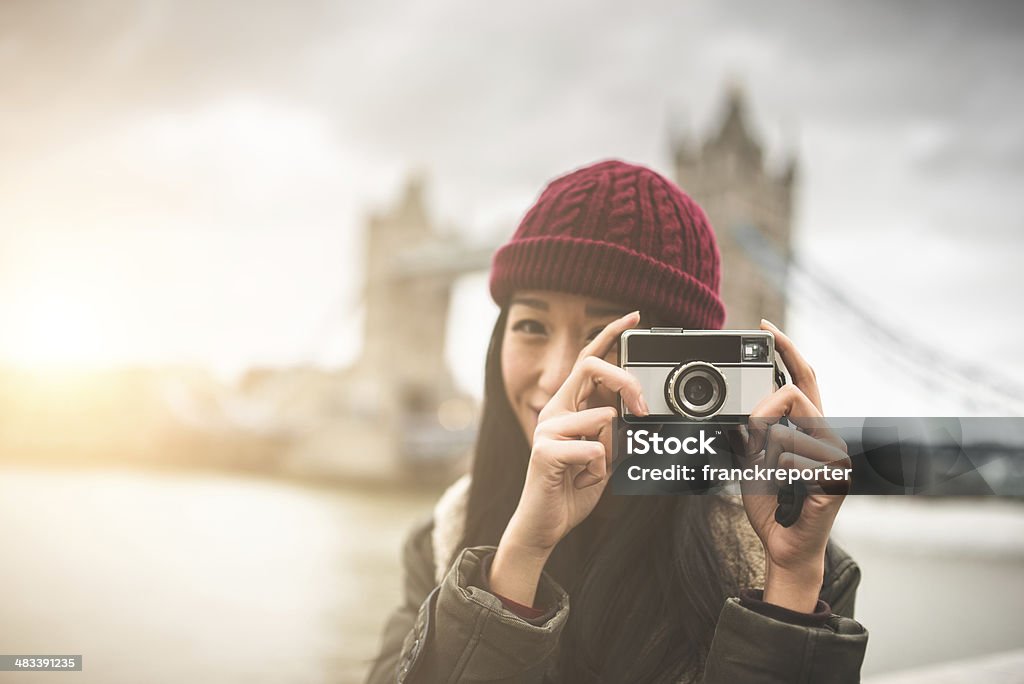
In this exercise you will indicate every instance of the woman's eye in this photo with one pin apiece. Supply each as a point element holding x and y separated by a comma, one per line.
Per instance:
<point>529,327</point>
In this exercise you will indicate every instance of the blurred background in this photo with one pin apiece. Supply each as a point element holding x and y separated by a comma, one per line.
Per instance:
<point>243,302</point>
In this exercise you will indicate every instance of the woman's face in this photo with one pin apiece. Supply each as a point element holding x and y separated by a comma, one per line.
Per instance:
<point>544,335</point>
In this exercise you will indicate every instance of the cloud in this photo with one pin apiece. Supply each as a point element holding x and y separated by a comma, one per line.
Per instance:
<point>259,115</point>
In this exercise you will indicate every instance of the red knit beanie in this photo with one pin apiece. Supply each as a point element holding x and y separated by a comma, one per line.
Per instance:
<point>619,232</point>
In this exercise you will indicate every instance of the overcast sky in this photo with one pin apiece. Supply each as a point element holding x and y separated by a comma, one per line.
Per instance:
<point>186,181</point>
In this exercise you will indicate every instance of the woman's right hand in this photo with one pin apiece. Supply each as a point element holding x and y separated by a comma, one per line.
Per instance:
<point>571,458</point>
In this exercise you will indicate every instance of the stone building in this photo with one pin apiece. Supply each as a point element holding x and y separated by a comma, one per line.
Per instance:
<point>406,299</point>
<point>751,208</point>
<point>396,412</point>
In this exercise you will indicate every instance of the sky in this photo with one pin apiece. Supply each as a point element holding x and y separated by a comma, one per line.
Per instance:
<point>187,182</point>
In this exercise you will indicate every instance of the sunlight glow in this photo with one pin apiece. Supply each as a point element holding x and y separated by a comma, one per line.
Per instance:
<point>53,322</point>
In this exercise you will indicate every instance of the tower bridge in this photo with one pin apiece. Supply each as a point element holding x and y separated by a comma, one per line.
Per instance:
<point>397,411</point>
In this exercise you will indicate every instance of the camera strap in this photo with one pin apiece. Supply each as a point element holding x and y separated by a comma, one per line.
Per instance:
<point>780,376</point>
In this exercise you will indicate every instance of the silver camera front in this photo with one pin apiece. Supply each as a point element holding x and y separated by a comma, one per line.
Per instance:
<point>688,375</point>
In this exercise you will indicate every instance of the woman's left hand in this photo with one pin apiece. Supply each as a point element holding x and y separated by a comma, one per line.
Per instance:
<point>795,555</point>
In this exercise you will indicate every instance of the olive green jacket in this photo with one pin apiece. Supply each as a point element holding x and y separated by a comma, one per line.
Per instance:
<point>450,630</point>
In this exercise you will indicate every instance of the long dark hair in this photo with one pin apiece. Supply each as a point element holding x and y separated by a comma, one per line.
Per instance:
<point>646,589</point>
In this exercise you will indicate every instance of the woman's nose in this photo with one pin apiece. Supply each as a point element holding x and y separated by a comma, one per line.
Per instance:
<point>558,363</point>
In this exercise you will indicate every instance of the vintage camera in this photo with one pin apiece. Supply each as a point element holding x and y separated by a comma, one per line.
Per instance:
<point>689,375</point>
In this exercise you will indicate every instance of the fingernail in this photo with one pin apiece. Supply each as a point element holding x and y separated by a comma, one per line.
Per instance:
<point>643,405</point>
<point>765,321</point>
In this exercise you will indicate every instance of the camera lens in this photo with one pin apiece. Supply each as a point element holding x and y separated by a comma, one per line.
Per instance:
<point>697,390</point>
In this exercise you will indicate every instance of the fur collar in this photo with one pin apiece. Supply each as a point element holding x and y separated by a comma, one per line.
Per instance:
<point>449,524</point>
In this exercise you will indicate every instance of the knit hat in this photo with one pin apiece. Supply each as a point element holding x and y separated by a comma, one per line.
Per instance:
<point>619,232</point>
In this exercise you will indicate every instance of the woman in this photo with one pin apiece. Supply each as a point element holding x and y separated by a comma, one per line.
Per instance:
<point>661,587</point>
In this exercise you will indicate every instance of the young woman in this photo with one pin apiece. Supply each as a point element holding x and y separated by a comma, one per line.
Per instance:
<point>531,570</point>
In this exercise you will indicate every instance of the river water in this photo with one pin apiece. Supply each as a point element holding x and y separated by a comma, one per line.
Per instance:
<point>170,577</point>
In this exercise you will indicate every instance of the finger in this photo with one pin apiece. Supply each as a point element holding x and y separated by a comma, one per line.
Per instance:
<point>586,478</point>
<point>789,401</point>
<point>739,441</point>
<point>764,434</point>
<point>799,370</point>
<point>836,483</point>
<point>573,425</point>
<point>589,373</point>
<point>576,457</point>
<point>591,476</point>
<point>606,340</point>
<point>576,452</point>
<point>782,402</point>
<point>594,424</point>
<point>782,439</point>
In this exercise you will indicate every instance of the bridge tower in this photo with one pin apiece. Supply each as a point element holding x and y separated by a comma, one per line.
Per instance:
<point>727,176</point>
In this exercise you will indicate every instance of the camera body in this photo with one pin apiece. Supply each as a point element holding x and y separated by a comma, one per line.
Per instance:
<point>699,375</point>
